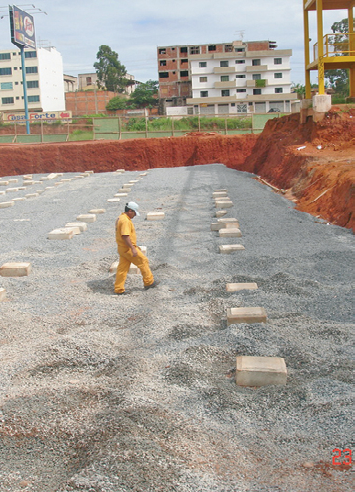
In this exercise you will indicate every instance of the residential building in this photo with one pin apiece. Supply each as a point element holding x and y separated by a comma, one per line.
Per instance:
<point>88,81</point>
<point>70,83</point>
<point>44,79</point>
<point>227,78</point>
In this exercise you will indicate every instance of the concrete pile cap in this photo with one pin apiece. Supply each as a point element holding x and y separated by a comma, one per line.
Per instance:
<point>4,183</point>
<point>230,248</point>
<point>260,371</point>
<point>62,233</point>
<point>120,194</point>
<point>12,269</point>
<point>7,204</point>
<point>97,211</point>
<point>82,225</point>
<point>113,200</point>
<point>155,215</point>
<point>11,189</point>
<point>13,180</point>
<point>86,218</point>
<point>2,294</point>
<point>246,315</point>
<point>28,182</point>
<point>230,232</point>
<point>241,286</point>
<point>114,266</point>
<point>220,204</point>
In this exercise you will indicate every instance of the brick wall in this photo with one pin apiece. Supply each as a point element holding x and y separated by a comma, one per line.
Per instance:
<point>87,102</point>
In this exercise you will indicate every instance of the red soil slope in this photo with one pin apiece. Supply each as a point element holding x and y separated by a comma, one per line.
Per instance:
<point>315,162</point>
<point>320,180</point>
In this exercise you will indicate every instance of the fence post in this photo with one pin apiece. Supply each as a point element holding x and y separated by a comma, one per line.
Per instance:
<point>41,131</point>
<point>225,126</point>
<point>199,123</point>
<point>172,125</point>
<point>119,128</point>
<point>146,127</point>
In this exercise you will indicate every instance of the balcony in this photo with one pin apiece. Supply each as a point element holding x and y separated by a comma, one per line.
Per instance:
<point>257,68</point>
<point>224,70</point>
<point>338,49</point>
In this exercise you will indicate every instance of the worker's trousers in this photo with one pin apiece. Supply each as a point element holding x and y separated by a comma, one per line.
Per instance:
<point>126,258</point>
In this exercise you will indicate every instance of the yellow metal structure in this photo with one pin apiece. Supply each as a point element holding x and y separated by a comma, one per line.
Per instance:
<point>327,52</point>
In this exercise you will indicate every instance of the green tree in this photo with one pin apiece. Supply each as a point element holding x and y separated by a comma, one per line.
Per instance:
<point>145,95</point>
<point>111,73</point>
<point>116,103</point>
<point>299,89</point>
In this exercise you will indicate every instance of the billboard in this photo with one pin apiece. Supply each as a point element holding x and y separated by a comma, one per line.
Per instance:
<point>22,28</point>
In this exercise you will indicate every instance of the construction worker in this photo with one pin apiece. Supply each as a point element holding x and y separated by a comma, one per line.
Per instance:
<point>129,251</point>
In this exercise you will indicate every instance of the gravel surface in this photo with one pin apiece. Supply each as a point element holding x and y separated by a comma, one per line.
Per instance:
<point>101,393</point>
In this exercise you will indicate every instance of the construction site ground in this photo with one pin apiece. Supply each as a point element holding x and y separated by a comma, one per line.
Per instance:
<point>100,393</point>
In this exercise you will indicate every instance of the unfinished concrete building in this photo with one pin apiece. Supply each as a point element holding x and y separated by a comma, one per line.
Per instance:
<point>235,77</point>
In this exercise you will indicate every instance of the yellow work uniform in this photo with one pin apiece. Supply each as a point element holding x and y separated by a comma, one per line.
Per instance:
<point>125,227</point>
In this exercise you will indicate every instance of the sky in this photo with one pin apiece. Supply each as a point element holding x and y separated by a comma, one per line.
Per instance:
<point>134,28</point>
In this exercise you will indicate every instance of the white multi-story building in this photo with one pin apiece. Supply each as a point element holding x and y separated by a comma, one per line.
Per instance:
<point>230,78</point>
<point>44,79</point>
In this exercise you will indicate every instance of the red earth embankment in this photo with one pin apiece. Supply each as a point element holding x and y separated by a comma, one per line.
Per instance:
<point>313,162</point>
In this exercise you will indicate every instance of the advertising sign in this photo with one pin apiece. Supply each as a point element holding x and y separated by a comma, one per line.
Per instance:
<point>48,117</point>
<point>22,28</point>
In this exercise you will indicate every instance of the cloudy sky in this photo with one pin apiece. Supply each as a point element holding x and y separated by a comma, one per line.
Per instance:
<point>134,28</point>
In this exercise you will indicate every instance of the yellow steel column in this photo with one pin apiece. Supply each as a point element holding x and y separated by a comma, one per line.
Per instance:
<point>306,53</point>
<point>320,47</point>
<point>352,49</point>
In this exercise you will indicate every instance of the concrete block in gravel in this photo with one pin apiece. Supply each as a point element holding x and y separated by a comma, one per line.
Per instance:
<point>113,200</point>
<point>133,269</point>
<point>217,226</point>
<point>120,171</point>
<point>124,190</point>
<point>143,174</point>
<point>241,286</point>
<point>127,185</point>
<point>52,176</point>
<point>222,199</point>
<point>86,218</point>
<point>2,294</point>
<point>114,266</point>
<point>32,195</point>
<point>227,249</point>
<point>220,213</point>
<point>132,181</point>
<point>82,225</point>
<point>97,211</point>
<point>9,190</point>
<point>63,233</point>
<point>19,199</point>
<point>155,215</point>
<point>4,183</point>
<point>89,172</point>
<point>28,182</point>
<point>2,192</point>
<point>27,176</point>
<point>75,228</point>
<point>230,232</point>
<point>217,194</point>
<point>227,220</point>
<point>15,269</point>
<point>220,204</point>
<point>260,371</point>
<point>246,315</point>
<point>13,180</point>
<point>120,195</point>
<point>7,204</point>
<point>221,189</point>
